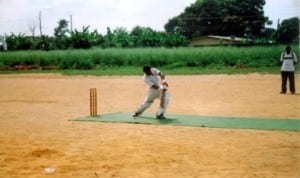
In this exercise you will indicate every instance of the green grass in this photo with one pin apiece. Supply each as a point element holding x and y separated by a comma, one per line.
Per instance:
<point>115,71</point>
<point>178,71</point>
<point>179,61</point>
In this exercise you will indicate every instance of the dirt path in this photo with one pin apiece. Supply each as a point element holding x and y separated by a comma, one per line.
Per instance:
<point>35,131</point>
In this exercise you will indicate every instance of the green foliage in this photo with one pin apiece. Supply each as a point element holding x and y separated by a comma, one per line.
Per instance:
<point>60,34</point>
<point>45,43</point>
<point>204,17</point>
<point>18,42</point>
<point>214,17</point>
<point>83,39</point>
<point>122,38</point>
<point>288,31</point>
<point>171,58</point>
<point>62,28</point>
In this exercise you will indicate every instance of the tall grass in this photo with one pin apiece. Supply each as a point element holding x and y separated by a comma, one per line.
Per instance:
<point>97,58</point>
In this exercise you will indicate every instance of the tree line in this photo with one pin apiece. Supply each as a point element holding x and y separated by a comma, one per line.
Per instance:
<point>204,17</point>
<point>84,39</point>
<point>232,18</point>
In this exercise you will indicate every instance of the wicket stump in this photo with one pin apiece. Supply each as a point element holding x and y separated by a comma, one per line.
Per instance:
<point>93,102</point>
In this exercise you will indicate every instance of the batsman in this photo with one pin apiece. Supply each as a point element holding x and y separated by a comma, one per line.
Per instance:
<point>157,89</point>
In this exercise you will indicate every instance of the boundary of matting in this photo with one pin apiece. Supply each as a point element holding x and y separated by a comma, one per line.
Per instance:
<point>199,121</point>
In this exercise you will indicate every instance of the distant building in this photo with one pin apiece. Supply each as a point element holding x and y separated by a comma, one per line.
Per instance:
<point>215,40</point>
<point>3,45</point>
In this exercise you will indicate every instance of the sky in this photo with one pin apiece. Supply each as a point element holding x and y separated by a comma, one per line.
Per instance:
<point>18,16</point>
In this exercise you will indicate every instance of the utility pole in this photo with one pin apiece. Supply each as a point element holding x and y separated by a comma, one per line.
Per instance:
<point>32,28</point>
<point>71,23</point>
<point>40,22</point>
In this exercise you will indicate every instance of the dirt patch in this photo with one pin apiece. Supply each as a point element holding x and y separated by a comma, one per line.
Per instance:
<point>36,132</point>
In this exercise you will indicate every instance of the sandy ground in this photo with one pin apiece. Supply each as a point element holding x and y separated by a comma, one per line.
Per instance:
<point>35,131</point>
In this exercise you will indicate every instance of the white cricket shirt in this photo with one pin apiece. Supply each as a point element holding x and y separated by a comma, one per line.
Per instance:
<point>288,61</point>
<point>153,79</point>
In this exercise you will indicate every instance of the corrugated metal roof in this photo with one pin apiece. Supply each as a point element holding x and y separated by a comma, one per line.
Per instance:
<point>232,38</point>
<point>229,38</point>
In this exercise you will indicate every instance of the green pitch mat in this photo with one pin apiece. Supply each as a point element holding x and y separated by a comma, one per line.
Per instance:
<point>200,121</point>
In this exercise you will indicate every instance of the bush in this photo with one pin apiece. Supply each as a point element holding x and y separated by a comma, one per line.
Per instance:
<point>260,56</point>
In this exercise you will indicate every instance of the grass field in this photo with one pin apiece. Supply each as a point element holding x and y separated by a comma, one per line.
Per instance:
<point>202,60</point>
<point>134,70</point>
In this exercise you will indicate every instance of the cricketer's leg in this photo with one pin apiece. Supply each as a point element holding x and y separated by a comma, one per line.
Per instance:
<point>152,94</point>
<point>292,82</point>
<point>164,101</point>
<point>283,81</point>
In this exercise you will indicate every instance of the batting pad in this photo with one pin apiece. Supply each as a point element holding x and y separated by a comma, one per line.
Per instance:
<point>200,121</point>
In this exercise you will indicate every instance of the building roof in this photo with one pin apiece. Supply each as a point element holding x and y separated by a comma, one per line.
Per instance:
<point>215,40</point>
<point>232,38</point>
<point>229,38</point>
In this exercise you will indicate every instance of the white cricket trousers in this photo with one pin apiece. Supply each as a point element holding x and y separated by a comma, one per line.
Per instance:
<point>153,94</point>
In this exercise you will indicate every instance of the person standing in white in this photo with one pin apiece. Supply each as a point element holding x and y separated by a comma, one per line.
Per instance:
<point>288,59</point>
<point>157,89</point>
